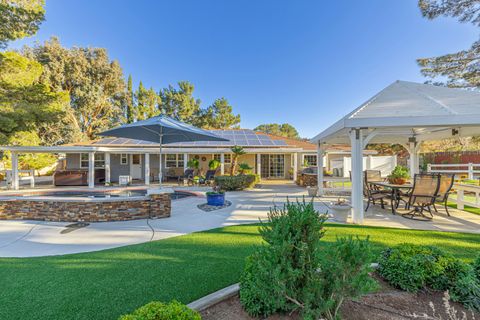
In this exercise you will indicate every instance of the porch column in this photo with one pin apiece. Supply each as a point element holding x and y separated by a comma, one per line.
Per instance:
<point>357,172</point>
<point>320,153</point>
<point>91,169</point>
<point>413,149</point>
<point>185,160</point>
<point>107,168</point>
<point>259,164</point>
<point>222,163</point>
<point>15,183</point>
<point>295,166</point>
<point>147,169</point>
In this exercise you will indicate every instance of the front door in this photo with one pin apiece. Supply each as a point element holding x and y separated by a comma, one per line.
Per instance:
<point>136,166</point>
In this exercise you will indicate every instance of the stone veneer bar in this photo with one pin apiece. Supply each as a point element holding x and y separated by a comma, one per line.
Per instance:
<point>86,209</point>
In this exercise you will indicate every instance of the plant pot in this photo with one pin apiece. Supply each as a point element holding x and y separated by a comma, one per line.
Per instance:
<point>217,199</point>
<point>340,212</point>
<point>399,181</point>
<point>312,191</point>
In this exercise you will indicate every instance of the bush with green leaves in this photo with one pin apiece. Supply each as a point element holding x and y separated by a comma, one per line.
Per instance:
<point>292,271</point>
<point>231,183</point>
<point>214,164</point>
<point>476,267</point>
<point>412,268</point>
<point>157,310</point>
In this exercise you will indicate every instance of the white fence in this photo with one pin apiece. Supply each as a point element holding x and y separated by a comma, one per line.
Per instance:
<point>470,169</point>
<point>385,164</point>
<point>461,189</point>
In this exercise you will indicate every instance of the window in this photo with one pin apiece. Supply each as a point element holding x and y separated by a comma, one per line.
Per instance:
<point>309,160</point>
<point>227,157</point>
<point>136,159</point>
<point>174,161</point>
<point>124,159</point>
<point>99,160</point>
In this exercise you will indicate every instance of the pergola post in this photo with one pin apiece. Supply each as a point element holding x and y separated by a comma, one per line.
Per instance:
<point>185,161</point>
<point>222,163</point>
<point>320,153</point>
<point>15,183</point>
<point>91,169</point>
<point>107,168</point>
<point>147,169</point>
<point>357,173</point>
<point>295,166</point>
<point>413,150</point>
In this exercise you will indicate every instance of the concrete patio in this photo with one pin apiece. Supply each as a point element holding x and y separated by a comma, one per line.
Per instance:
<point>35,238</point>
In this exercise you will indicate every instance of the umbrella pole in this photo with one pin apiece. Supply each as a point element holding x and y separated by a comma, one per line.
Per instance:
<point>160,161</point>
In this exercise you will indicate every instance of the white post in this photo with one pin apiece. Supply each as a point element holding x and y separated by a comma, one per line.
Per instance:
<point>413,162</point>
<point>147,169</point>
<point>107,168</point>
<point>320,152</point>
<point>259,164</point>
<point>429,167</point>
<point>185,160</point>
<point>15,183</point>
<point>470,171</point>
<point>222,163</point>
<point>295,165</point>
<point>357,175</point>
<point>91,169</point>
<point>460,199</point>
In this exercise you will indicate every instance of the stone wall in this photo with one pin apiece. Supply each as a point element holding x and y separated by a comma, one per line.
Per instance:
<point>89,210</point>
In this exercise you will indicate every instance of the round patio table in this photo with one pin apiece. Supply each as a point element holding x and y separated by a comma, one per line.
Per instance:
<point>396,190</point>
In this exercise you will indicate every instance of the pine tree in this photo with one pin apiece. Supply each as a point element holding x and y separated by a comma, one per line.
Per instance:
<point>130,107</point>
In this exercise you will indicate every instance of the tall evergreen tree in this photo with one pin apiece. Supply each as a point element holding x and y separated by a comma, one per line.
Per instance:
<point>19,19</point>
<point>180,103</point>
<point>129,102</point>
<point>219,116</point>
<point>460,69</point>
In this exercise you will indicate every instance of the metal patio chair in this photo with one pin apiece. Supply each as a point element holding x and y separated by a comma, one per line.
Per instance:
<point>187,176</point>
<point>422,197</point>
<point>446,184</point>
<point>372,192</point>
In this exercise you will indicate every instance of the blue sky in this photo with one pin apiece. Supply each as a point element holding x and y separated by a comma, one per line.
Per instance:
<point>303,62</point>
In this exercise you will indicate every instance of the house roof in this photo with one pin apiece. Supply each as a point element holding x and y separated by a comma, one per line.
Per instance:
<point>408,109</point>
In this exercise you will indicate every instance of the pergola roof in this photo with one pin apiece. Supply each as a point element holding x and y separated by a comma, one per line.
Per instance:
<point>408,109</point>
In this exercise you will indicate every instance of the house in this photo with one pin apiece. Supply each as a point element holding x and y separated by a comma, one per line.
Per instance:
<point>270,156</point>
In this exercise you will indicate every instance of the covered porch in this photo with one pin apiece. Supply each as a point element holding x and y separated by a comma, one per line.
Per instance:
<point>403,113</point>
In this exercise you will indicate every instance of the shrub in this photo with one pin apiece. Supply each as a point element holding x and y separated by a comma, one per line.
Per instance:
<point>412,268</point>
<point>476,267</point>
<point>231,183</point>
<point>163,311</point>
<point>213,164</point>
<point>292,272</point>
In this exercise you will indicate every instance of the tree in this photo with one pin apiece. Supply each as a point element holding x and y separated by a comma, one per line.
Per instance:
<point>19,19</point>
<point>219,116</point>
<point>282,130</point>
<point>94,82</point>
<point>146,102</point>
<point>237,152</point>
<point>180,103</point>
<point>460,69</point>
<point>130,114</point>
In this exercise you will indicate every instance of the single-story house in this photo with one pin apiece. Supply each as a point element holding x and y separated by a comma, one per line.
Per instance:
<point>270,156</point>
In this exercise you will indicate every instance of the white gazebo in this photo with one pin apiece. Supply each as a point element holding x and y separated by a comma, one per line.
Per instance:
<point>404,113</point>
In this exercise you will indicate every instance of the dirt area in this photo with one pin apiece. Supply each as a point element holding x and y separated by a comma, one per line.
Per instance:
<point>386,304</point>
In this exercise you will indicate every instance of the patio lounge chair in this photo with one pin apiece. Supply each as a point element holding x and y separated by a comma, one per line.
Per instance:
<point>446,184</point>
<point>210,177</point>
<point>372,193</point>
<point>422,196</point>
<point>187,175</point>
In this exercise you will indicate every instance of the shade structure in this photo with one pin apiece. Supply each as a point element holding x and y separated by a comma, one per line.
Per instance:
<point>163,130</point>
<point>405,113</point>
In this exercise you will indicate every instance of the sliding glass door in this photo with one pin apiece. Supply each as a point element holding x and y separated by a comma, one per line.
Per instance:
<point>273,166</point>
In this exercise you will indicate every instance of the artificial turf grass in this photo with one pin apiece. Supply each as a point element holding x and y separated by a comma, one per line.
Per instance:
<point>106,284</point>
<point>465,208</point>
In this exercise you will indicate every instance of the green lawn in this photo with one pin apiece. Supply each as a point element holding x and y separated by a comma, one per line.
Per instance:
<point>106,284</point>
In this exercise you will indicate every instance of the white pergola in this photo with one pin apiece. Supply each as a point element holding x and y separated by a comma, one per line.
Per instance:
<point>404,113</point>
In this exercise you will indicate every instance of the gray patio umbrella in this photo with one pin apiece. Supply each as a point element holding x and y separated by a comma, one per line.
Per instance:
<point>164,130</point>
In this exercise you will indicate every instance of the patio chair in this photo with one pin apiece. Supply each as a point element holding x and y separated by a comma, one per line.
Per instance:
<point>187,175</point>
<point>372,193</point>
<point>422,196</point>
<point>210,177</point>
<point>446,184</point>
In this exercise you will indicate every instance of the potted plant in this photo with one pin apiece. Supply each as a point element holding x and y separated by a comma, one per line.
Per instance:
<point>340,210</point>
<point>216,197</point>
<point>214,164</point>
<point>312,191</point>
<point>399,175</point>
<point>193,164</point>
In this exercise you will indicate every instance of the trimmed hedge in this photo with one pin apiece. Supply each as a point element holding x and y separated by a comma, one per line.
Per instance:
<point>157,310</point>
<point>240,182</point>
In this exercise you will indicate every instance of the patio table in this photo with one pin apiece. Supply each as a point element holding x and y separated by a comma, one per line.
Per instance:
<point>395,189</point>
